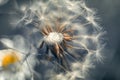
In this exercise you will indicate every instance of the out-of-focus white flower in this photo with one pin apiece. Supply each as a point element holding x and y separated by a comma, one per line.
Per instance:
<point>13,66</point>
<point>17,60</point>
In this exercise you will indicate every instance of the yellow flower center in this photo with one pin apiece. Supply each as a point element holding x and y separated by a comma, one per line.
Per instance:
<point>9,59</point>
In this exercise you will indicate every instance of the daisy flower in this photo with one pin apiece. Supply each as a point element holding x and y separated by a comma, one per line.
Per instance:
<point>14,63</point>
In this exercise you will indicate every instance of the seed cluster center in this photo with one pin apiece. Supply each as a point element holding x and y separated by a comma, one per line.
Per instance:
<point>54,37</point>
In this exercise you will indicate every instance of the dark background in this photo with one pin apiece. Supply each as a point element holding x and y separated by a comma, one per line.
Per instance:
<point>109,13</point>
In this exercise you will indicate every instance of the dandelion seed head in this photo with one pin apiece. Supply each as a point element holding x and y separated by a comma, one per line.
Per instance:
<point>76,44</point>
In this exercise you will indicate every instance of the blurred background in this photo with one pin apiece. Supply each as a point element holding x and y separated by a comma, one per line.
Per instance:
<point>109,13</point>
